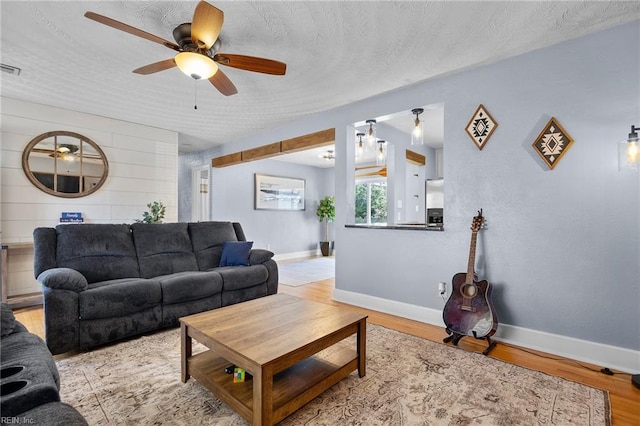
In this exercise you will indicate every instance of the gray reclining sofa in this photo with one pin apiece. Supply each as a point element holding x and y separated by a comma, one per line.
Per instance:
<point>30,379</point>
<point>106,282</point>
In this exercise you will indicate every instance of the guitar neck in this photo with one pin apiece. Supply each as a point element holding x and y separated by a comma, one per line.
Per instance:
<point>472,257</point>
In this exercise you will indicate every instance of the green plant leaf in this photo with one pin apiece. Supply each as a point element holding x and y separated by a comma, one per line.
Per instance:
<point>156,213</point>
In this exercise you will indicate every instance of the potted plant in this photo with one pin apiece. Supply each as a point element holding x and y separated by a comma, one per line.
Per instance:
<point>155,214</point>
<point>326,212</point>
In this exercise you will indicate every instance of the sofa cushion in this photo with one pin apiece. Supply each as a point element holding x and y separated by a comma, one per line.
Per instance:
<point>207,239</point>
<point>236,253</point>
<point>98,251</point>
<point>187,286</point>
<point>118,298</point>
<point>163,248</point>
<point>171,313</point>
<point>239,277</point>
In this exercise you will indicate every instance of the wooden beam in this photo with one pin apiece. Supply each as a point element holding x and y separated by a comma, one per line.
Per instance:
<point>312,140</point>
<point>415,158</point>
<point>227,160</point>
<point>264,151</point>
<point>300,143</point>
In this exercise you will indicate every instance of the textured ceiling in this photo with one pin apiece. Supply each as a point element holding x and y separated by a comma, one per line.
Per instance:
<point>336,53</point>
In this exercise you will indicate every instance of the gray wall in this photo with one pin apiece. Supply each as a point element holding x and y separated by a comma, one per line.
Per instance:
<point>563,246</point>
<point>232,199</point>
<point>280,231</point>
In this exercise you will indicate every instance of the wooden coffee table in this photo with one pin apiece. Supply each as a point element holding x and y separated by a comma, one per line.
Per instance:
<point>277,339</point>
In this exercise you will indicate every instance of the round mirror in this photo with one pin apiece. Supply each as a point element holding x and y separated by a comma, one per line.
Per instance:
<point>65,164</point>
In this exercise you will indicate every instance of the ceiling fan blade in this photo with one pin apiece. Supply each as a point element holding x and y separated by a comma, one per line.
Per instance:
<point>251,63</point>
<point>223,84</point>
<point>131,30</point>
<point>206,25</point>
<point>155,67</point>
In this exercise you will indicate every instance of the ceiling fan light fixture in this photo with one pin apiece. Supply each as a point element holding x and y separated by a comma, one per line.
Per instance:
<point>65,148</point>
<point>196,65</point>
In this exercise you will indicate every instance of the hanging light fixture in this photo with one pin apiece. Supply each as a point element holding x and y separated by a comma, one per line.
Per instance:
<point>66,152</point>
<point>629,151</point>
<point>417,134</point>
<point>329,155</point>
<point>371,135</point>
<point>381,153</point>
<point>196,65</point>
<point>359,145</point>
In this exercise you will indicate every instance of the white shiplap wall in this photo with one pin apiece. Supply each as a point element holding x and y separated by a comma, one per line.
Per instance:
<point>142,168</point>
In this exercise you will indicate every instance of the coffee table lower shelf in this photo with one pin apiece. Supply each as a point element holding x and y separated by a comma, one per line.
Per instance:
<point>292,387</point>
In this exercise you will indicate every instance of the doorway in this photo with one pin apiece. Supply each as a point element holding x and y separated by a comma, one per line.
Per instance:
<point>200,207</point>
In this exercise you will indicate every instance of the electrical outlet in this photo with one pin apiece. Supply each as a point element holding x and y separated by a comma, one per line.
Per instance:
<point>442,288</point>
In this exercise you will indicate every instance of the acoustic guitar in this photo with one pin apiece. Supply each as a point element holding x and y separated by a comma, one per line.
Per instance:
<point>469,310</point>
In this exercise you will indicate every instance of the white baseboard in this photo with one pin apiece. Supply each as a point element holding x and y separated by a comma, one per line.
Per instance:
<point>296,254</point>
<point>613,357</point>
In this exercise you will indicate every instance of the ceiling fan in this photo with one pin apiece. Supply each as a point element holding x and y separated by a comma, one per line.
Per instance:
<point>197,46</point>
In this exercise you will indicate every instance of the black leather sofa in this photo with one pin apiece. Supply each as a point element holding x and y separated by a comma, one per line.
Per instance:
<point>106,282</point>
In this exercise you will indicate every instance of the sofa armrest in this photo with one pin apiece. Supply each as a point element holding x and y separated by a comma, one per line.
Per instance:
<point>259,256</point>
<point>8,320</point>
<point>63,279</point>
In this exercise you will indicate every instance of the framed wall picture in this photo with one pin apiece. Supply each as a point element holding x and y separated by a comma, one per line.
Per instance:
<point>279,193</point>
<point>552,143</point>
<point>481,127</point>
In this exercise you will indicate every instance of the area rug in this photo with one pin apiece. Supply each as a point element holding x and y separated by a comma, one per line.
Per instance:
<point>306,271</point>
<point>409,381</point>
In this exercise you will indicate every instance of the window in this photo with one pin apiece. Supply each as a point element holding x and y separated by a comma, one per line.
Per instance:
<point>371,202</point>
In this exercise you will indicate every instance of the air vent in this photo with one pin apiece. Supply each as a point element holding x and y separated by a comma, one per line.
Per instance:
<point>10,69</point>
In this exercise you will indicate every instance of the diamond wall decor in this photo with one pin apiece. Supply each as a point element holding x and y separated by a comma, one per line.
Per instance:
<point>552,143</point>
<point>481,127</point>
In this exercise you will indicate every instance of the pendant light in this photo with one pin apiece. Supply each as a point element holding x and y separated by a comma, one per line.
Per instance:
<point>417,134</point>
<point>371,135</point>
<point>629,151</point>
<point>381,153</point>
<point>359,145</point>
<point>329,155</point>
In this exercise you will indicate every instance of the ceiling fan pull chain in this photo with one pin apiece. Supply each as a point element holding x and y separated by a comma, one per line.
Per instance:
<point>195,96</point>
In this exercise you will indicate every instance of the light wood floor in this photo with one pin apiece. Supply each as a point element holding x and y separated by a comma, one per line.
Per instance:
<point>625,398</point>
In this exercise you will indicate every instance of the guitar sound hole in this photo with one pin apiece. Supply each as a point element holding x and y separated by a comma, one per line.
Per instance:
<point>469,290</point>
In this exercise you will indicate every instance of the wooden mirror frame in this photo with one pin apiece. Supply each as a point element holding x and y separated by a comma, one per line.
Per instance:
<point>34,180</point>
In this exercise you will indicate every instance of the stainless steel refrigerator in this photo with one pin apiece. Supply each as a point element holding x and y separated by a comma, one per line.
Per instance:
<point>435,202</point>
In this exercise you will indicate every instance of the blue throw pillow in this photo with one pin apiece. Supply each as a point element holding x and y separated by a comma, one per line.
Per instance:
<point>236,253</point>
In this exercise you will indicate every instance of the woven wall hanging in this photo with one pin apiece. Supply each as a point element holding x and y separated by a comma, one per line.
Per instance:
<point>481,127</point>
<point>552,143</point>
